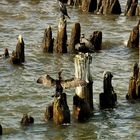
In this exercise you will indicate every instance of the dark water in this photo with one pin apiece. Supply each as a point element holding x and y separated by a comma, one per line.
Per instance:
<point>19,92</point>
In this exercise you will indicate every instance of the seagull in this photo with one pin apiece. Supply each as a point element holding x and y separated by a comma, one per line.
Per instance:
<point>63,9</point>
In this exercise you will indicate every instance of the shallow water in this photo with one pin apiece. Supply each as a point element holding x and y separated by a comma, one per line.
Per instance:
<point>19,92</point>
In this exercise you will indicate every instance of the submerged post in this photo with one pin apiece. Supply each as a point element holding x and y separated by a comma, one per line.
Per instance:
<point>108,98</point>
<point>61,41</point>
<point>83,99</point>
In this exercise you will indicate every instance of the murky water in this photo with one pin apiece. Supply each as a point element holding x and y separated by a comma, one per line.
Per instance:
<point>19,92</point>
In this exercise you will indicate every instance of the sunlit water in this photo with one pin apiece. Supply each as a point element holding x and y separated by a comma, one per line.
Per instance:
<point>19,92</point>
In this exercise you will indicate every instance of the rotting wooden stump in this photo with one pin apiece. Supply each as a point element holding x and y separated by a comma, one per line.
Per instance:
<point>75,37</point>
<point>18,56</point>
<point>61,41</point>
<point>89,5</point>
<point>83,99</point>
<point>27,120</point>
<point>49,112</point>
<point>109,7</point>
<point>132,8</point>
<point>133,41</point>
<point>96,40</point>
<point>47,43</point>
<point>108,98</point>
<point>134,84</point>
<point>0,129</point>
<point>61,112</point>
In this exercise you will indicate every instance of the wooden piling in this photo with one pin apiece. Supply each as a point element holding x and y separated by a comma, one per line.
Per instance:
<point>61,112</point>
<point>132,8</point>
<point>89,5</point>
<point>61,41</point>
<point>96,40</point>
<point>49,112</point>
<point>0,129</point>
<point>108,98</point>
<point>47,43</point>
<point>18,56</point>
<point>133,41</point>
<point>75,37</point>
<point>133,89</point>
<point>27,120</point>
<point>109,7</point>
<point>83,99</point>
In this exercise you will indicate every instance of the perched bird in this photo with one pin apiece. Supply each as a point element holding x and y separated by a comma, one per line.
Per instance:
<point>63,9</point>
<point>59,83</point>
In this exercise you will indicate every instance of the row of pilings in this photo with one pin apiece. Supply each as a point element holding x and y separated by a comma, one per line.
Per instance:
<point>132,7</point>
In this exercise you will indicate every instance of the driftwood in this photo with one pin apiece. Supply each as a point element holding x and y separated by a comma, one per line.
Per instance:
<point>47,43</point>
<point>109,7</point>
<point>27,120</point>
<point>89,5</point>
<point>83,99</point>
<point>134,84</point>
<point>18,55</point>
<point>133,41</point>
<point>75,37</point>
<point>108,98</point>
<point>132,8</point>
<point>61,41</point>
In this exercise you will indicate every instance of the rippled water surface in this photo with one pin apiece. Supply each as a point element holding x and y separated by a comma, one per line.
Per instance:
<point>19,92</point>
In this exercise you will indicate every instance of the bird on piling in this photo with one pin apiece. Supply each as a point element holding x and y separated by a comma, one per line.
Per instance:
<point>59,83</point>
<point>63,9</point>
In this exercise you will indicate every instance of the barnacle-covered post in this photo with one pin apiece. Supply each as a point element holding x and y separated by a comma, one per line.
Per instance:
<point>47,43</point>
<point>83,99</point>
<point>75,37</point>
<point>108,98</point>
<point>61,41</point>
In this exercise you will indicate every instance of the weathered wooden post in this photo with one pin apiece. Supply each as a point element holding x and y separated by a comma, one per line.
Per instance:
<point>47,43</point>
<point>61,112</point>
<point>132,8</point>
<point>89,5</point>
<point>83,99</point>
<point>132,94</point>
<point>108,98</point>
<point>109,7</point>
<point>133,41</point>
<point>61,41</point>
<point>75,37</point>
<point>18,56</point>
<point>27,120</point>
<point>96,40</point>
<point>0,129</point>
